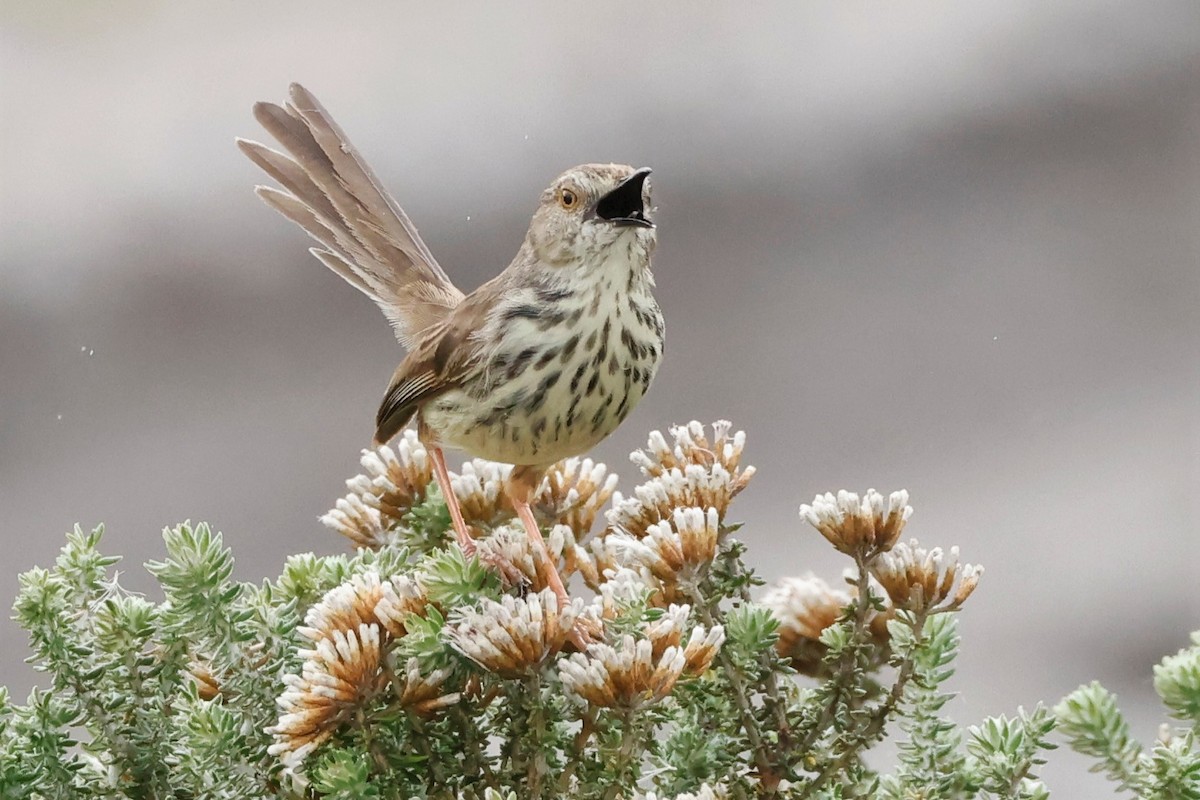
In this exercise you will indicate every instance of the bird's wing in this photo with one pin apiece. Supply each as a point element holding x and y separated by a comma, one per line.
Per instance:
<point>445,357</point>
<point>333,195</point>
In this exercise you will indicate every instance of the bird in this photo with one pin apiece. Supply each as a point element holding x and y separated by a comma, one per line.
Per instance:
<point>538,364</point>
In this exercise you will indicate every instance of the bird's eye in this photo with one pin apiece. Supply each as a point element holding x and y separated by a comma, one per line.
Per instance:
<point>567,198</point>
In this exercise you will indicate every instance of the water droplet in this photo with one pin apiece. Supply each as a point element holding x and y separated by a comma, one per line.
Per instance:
<point>527,137</point>
<point>91,352</point>
<point>60,416</point>
<point>995,338</point>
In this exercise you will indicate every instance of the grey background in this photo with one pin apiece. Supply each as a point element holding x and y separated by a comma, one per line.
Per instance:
<point>947,247</point>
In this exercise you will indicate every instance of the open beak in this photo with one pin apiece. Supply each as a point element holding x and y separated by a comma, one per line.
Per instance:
<point>623,205</point>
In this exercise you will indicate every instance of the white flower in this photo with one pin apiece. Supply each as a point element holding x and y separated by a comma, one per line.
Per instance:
<point>399,477</point>
<point>422,694</point>
<point>690,471</point>
<point>479,488</point>
<point>350,629</point>
<point>804,607</point>
<point>400,597</point>
<point>702,648</point>
<point>622,587</point>
<point>691,445</point>
<point>509,551</point>
<point>343,608</point>
<point>358,521</point>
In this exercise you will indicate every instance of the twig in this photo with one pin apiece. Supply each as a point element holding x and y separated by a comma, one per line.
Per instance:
<point>877,720</point>
<point>630,730</point>
<point>768,774</point>
<point>845,667</point>
<point>772,700</point>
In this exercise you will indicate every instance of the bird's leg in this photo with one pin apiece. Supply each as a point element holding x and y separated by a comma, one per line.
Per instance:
<point>520,488</point>
<point>465,542</point>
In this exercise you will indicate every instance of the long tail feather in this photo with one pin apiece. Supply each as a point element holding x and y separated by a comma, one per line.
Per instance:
<point>333,195</point>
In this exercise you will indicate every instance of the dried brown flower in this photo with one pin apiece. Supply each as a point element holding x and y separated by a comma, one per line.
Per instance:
<point>924,580</point>
<point>573,493</point>
<point>515,634</point>
<point>207,685</point>
<point>626,676</point>
<point>393,481</point>
<point>862,528</point>
<point>338,675</point>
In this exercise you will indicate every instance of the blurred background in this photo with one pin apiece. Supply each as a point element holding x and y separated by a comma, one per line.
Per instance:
<point>947,247</point>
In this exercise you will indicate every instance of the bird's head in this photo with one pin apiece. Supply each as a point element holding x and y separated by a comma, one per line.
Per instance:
<point>589,210</point>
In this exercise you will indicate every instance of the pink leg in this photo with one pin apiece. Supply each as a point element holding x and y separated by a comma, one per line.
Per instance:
<point>443,481</point>
<point>520,488</point>
<point>539,544</point>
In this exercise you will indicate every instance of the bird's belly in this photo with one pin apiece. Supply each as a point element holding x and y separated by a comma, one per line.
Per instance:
<point>548,408</point>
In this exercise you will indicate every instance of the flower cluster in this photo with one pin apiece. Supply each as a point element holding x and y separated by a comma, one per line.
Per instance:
<point>393,481</point>
<point>349,632</point>
<point>355,628</point>
<point>410,669</point>
<point>515,634</point>
<point>866,529</point>
<point>862,528</point>
<point>573,493</point>
<point>690,471</point>
<point>670,552</point>
<point>508,550</point>
<point>805,607</point>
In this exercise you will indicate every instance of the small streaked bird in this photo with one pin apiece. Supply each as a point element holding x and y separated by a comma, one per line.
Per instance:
<point>538,364</point>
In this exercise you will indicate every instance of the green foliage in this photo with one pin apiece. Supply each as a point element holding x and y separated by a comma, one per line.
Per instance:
<point>453,580</point>
<point>1006,751</point>
<point>1177,681</point>
<point>1093,724</point>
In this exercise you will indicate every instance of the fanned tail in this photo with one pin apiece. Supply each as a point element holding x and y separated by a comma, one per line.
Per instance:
<point>365,235</point>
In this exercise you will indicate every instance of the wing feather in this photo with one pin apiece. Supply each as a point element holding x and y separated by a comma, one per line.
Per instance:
<point>444,359</point>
